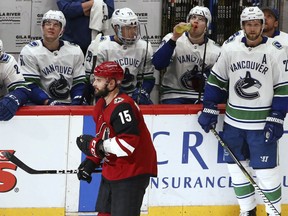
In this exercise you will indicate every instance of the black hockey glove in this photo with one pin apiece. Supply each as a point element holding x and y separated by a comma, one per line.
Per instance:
<point>209,116</point>
<point>273,129</point>
<point>90,147</point>
<point>85,170</point>
<point>83,143</point>
<point>8,107</point>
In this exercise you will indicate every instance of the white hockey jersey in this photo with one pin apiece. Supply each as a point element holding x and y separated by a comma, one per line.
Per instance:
<point>186,60</point>
<point>131,58</point>
<point>282,37</point>
<point>255,76</point>
<point>55,72</point>
<point>10,76</point>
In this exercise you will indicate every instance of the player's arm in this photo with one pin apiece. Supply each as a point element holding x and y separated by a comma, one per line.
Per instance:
<point>18,92</point>
<point>162,57</point>
<point>216,89</point>
<point>125,141</point>
<point>110,6</point>
<point>91,55</point>
<point>124,123</point>
<point>14,80</point>
<point>79,79</point>
<point>273,129</point>
<point>280,81</point>
<point>215,92</point>
<point>148,72</point>
<point>30,70</point>
<point>71,9</point>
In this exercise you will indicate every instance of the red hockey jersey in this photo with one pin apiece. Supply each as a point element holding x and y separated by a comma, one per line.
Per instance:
<point>121,125</point>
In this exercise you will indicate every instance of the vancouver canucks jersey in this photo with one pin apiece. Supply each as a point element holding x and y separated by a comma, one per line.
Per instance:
<point>10,76</point>
<point>134,59</point>
<point>282,37</point>
<point>257,76</point>
<point>56,72</point>
<point>186,62</point>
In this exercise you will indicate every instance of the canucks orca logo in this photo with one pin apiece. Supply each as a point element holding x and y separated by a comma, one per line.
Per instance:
<point>127,81</point>
<point>59,89</point>
<point>191,78</point>
<point>246,83</point>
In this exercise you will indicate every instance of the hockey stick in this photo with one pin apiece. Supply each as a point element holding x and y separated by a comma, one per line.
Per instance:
<point>144,66</point>
<point>245,172</point>
<point>11,157</point>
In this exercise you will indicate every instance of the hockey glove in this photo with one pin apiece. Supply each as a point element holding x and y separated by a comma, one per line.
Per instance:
<point>77,100</point>
<point>8,107</point>
<point>209,116</point>
<point>52,102</point>
<point>90,146</point>
<point>273,129</point>
<point>141,97</point>
<point>85,170</point>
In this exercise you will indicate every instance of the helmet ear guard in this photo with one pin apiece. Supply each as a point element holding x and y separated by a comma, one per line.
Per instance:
<point>110,70</point>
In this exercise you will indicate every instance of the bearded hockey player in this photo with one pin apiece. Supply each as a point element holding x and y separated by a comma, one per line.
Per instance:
<point>122,141</point>
<point>131,52</point>
<point>14,91</point>
<point>256,68</point>
<point>53,67</point>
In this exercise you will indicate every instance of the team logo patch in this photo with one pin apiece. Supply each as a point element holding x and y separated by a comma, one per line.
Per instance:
<point>277,45</point>
<point>244,87</point>
<point>103,38</point>
<point>33,44</point>
<point>118,100</point>
<point>60,88</point>
<point>4,58</point>
<point>192,79</point>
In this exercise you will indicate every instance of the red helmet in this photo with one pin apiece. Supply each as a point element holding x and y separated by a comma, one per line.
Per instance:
<point>110,69</point>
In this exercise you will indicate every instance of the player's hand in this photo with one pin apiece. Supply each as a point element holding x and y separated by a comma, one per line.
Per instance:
<point>273,129</point>
<point>91,146</point>
<point>209,116</point>
<point>85,170</point>
<point>141,97</point>
<point>8,107</point>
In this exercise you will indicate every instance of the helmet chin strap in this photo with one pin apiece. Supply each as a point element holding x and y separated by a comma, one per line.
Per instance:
<point>107,91</point>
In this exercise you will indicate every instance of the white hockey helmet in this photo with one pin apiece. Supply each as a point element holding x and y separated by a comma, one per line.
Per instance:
<point>252,13</point>
<point>202,11</point>
<point>125,17</point>
<point>55,15</point>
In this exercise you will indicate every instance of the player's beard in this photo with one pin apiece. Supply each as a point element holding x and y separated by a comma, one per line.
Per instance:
<point>102,92</point>
<point>253,37</point>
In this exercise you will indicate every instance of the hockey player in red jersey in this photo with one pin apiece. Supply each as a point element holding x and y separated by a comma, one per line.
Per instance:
<point>122,141</point>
